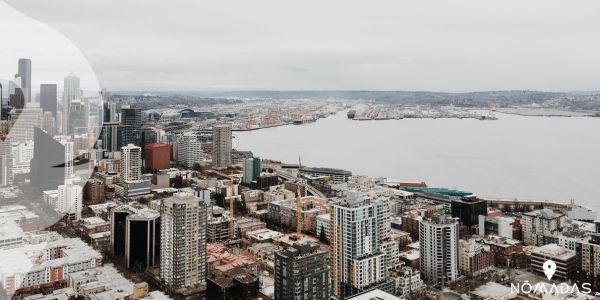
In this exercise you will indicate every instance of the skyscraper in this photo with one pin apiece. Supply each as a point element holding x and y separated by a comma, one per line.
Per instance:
<point>25,76</point>
<point>221,146</point>
<point>183,242</point>
<point>302,272</point>
<point>357,260</point>
<point>71,91</point>
<point>438,236</point>
<point>131,163</point>
<point>251,169</point>
<point>157,157</point>
<point>48,98</point>
<point>131,119</point>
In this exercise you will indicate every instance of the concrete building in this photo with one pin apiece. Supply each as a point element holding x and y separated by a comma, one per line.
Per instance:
<point>474,258</point>
<point>20,157</point>
<point>357,259</point>
<point>408,282</point>
<point>302,272</point>
<point>438,236</point>
<point>222,146</point>
<point>566,261</point>
<point>323,225</point>
<point>336,175</point>
<point>94,191</point>
<point>538,223</point>
<point>70,199</point>
<point>131,163</point>
<point>183,242</point>
<point>189,149</point>
<point>157,157</point>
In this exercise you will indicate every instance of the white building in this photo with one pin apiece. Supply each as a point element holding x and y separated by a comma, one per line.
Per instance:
<point>70,199</point>
<point>189,150</point>
<point>131,163</point>
<point>538,223</point>
<point>221,146</point>
<point>357,259</point>
<point>21,155</point>
<point>183,241</point>
<point>69,154</point>
<point>438,237</point>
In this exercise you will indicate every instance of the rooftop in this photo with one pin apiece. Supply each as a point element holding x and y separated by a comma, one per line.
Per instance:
<point>554,251</point>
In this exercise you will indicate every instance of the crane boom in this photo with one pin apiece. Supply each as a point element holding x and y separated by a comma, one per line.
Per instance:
<point>231,213</point>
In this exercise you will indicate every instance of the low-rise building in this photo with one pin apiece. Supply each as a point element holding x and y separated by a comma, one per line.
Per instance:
<point>474,258</point>
<point>566,261</point>
<point>284,212</point>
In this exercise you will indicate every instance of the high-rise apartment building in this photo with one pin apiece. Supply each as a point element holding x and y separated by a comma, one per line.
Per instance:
<point>302,272</point>
<point>188,149</point>
<point>357,261</point>
<point>538,223</point>
<point>131,163</point>
<point>70,199</point>
<point>183,242</point>
<point>221,146</point>
<point>438,236</point>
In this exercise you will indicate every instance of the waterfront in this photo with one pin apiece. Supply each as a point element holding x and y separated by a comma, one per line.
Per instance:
<point>536,158</point>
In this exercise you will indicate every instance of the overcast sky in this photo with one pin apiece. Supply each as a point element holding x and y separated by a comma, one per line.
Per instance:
<point>458,45</point>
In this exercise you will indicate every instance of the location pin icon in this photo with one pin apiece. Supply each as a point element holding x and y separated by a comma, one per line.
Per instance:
<point>549,268</point>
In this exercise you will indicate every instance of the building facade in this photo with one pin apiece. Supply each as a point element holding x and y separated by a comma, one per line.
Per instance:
<point>183,242</point>
<point>438,236</point>
<point>302,272</point>
<point>222,146</point>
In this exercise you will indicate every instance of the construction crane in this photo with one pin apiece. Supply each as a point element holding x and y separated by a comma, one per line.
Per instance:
<point>231,213</point>
<point>298,214</point>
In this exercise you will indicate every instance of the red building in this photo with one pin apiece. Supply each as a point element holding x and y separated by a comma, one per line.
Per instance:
<point>157,157</point>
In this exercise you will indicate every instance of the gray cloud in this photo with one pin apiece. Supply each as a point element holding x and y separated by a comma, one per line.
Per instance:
<point>459,45</point>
